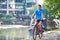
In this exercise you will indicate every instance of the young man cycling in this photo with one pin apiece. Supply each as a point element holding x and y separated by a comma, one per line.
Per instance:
<point>39,15</point>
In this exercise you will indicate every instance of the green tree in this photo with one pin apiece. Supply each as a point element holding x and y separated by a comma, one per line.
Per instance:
<point>7,18</point>
<point>52,8</point>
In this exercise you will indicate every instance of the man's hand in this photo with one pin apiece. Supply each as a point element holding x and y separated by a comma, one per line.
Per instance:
<point>32,22</point>
<point>43,18</point>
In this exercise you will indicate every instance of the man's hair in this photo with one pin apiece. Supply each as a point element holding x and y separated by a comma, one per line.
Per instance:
<point>39,5</point>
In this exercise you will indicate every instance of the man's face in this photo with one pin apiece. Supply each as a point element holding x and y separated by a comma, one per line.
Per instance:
<point>39,7</point>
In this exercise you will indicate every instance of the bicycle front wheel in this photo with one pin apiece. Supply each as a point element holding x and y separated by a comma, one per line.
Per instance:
<point>34,33</point>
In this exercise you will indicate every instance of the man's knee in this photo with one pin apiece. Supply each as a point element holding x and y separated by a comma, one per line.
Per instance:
<point>40,23</point>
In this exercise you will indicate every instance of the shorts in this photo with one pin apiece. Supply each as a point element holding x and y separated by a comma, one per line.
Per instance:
<point>39,21</point>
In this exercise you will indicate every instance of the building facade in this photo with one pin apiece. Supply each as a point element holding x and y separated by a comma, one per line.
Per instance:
<point>10,9</point>
<point>15,6</point>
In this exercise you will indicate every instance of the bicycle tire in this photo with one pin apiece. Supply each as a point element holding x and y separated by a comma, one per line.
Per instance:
<point>40,35</point>
<point>34,33</point>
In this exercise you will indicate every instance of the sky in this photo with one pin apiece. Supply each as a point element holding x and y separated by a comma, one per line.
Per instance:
<point>40,2</point>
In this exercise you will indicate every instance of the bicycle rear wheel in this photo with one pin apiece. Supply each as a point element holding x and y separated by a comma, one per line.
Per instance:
<point>34,33</point>
<point>40,35</point>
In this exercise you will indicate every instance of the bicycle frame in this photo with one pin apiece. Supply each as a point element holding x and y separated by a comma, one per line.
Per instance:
<point>38,31</point>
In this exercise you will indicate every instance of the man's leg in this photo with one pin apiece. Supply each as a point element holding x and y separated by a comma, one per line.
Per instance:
<point>37,23</point>
<point>40,25</point>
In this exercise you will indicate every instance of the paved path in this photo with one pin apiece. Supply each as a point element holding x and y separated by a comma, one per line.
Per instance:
<point>50,35</point>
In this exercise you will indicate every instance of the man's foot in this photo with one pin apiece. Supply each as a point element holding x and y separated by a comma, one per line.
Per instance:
<point>42,31</point>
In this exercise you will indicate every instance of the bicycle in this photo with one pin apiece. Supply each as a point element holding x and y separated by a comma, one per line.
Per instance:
<point>37,32</point>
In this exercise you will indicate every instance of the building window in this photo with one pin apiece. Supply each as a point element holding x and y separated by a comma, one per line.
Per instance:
<point>3,4</point>
<point>18,6</point>
<point>29,4</point>
<point>19,1</point>
<point>3,1</point>
<point>2,12</point>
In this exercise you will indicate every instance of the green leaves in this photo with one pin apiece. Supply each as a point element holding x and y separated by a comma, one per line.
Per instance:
<point>53,8</point>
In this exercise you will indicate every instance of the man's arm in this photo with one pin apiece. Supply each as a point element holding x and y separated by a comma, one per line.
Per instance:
<point>33,16</point>
<point>42,15</point>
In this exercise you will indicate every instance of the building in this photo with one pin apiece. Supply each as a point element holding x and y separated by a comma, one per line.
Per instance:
<point>15,6</point>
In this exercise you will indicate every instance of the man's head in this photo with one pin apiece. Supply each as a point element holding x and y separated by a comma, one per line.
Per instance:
<point>39,6</point>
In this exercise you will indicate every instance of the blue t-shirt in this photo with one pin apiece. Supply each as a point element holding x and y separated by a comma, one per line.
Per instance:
<point>39,13</point>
